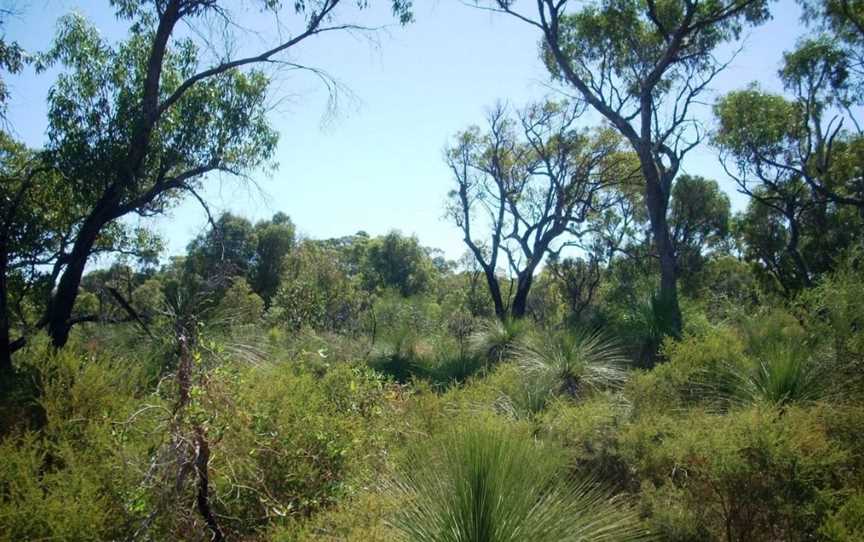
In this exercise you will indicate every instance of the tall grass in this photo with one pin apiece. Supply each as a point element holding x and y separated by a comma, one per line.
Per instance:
<point>489,484</point>
<point>496,339</point>
<point>574,363</point>
<point>783,377</point>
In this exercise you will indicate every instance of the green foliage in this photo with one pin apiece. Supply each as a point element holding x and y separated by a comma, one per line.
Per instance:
<point>489,483</point>
<point>226,249</point>
<point>754,474</point>
<point>589,432</point>
<point>847,523</point>
<point>316,292</point>
<point>831,314</point>
<point>699,215</point>
<point>680,380</point>
<point>291,443</point>
<point>276,238</point>
<point>650,321</point>
<point>74,477</point>
<point>629,35</point>
<point>785,376</point>
<point>398,262</point>
<point>240,305</point>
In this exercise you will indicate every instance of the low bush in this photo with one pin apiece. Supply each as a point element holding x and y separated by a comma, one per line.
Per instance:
<point>755,474</point>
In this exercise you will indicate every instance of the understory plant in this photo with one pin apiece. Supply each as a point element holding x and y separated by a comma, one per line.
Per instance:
<point>573,363</point>
<point>489,483</point>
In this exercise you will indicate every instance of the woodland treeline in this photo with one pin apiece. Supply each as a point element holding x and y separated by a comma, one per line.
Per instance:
<point>618,355</point>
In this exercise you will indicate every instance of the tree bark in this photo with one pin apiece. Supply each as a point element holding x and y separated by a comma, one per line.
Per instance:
<point>792,248</point>
<point>60,307</point>
<point>657,201</point>
<point>5,340</point>
<point>523,288</point>
<point>495,292</point>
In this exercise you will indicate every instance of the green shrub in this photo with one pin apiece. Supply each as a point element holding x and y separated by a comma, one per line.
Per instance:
<point>589,432</point>
<point>847,523</point>
<point>78,477</point>
<point>288,443</point>
<point>833,320</point>
<point>753,474</point>
<point>687,376</point>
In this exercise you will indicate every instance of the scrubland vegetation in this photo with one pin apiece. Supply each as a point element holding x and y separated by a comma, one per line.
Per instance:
<point>618,356</point>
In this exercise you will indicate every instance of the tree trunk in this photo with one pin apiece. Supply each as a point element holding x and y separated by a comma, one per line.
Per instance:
<point>523,288</point>
<point>5,345</point>
<point>657,201</point>
<point>792,248</point>
<point>62,302</point>
<point>495,292</point>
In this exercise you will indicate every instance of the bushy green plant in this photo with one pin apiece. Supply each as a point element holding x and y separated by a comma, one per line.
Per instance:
<point>399,355</point>
<point>452,366</point>
<point>77,476</point>
<point>847,523</point>
<point>589,432</point>
<point>520,396</point>
<point>490,484</point>
<point>317,292</point>
<point>833,320</point>
<point>289,442</point>
<point>752,474</point>
<point>689,374</point>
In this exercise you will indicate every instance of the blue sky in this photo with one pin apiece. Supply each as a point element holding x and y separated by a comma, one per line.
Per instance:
<point>376,164</point>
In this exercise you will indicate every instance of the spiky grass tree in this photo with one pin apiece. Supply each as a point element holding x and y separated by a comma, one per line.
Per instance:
<point>489,484</point>
<point>652,321</point>
<point>496,339</point>
<point>784,376</point>
<point>573,363</point>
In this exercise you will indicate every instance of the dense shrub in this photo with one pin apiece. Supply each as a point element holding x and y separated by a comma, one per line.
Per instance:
<point>76,477</point>
<point>755,474</point>
<point>291,443</point>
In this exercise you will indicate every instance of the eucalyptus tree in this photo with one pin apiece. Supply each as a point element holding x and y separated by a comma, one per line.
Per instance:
<point>277,237</point>
<point>769,138</point>
<point>752,152</point>
<point>399,262</point>
<point>794,155</point>
<point>137,125</point>
<point>524,185</point>
<point>698,220</point>
<point>12,59</point>
<point>643,65</point>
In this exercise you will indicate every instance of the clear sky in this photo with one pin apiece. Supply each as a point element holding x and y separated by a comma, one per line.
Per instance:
<point>377,164</point>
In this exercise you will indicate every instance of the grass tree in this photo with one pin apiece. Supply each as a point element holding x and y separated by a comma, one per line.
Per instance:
<point>496,339</point>
<point>573,363</point>
<point>490,484</point>
<point>782,377</point>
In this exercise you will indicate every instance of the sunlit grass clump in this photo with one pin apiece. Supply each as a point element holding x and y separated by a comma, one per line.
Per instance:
<point>496,339</point>
<point>492,484</point>
<point>574,363</point>
<point>781,378</point>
